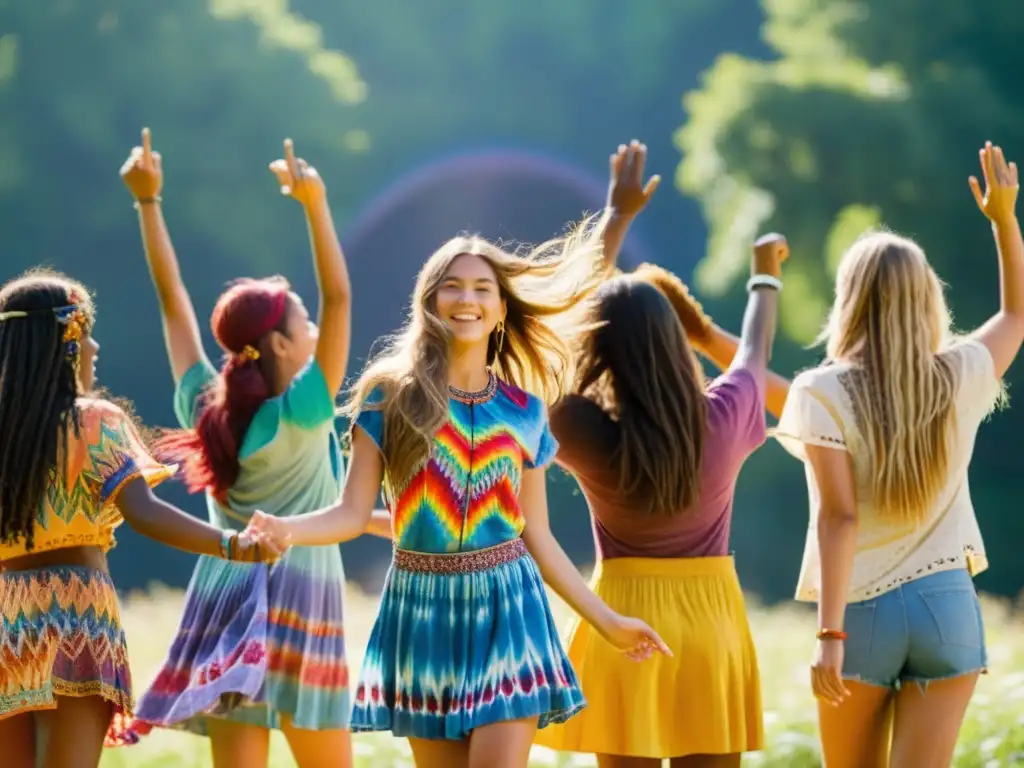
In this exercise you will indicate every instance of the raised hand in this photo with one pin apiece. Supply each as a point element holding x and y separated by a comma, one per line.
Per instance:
<point>1001,184</point>
<point>297,178</point>
<point>142,172</point>
<point>634,638</point>
<point>627,192</point>
<point>769,252</point>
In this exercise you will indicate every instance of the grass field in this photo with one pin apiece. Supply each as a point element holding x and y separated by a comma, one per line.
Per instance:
<point>992,736</point>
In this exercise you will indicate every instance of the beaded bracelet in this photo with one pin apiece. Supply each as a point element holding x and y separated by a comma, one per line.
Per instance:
<point>831,634</point>
<point>766,281</point>
<point>227,544</point>
<point>147,201</point>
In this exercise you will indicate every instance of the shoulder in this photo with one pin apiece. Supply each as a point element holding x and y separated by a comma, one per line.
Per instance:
<point>96,411</point>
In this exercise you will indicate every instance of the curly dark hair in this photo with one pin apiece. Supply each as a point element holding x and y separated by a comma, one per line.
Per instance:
<point>39,388</point>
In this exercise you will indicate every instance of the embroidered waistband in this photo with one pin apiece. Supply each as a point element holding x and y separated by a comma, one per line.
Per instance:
<point>460,562</point>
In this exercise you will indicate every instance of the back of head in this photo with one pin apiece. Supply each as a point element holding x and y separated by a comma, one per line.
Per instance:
<point>634,360</point>
<point>890,321</point>
<point>242,318</point>
<point>38,390</point>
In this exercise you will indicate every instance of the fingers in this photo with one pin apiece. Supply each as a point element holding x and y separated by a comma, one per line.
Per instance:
<point>658,644</point>
<point>987,170</point>
<point>638,161</point>
<point>828,686</point>
<point>1014,179</point>
<point>284,176</point>
<point>652,184</point>
<point>979,198</point>
<point>147,147</point>
<point>289,158</point>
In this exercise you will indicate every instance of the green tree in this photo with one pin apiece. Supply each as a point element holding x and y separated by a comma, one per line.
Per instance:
<point>871,113</point>
<point>221,84</point>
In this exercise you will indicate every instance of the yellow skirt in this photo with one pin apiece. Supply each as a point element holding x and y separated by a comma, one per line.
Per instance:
<point>706,699</point>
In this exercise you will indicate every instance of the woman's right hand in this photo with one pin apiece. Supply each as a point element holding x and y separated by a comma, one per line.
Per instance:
<point>1001,185</point>
<point>256,547</point>
<point>142,172</point>
<point>297,178</point>
<point>769,252</point>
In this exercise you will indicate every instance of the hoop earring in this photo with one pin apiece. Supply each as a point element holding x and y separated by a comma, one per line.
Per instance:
<point>499,336</point>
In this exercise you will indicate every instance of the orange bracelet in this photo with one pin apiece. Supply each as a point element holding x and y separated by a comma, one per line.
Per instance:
<point>831,634</point>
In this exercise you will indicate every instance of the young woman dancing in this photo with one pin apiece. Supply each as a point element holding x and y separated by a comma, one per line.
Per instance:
<point>257,649</point>
<point>464,658</point>
<point>886,428</point>
<point>72,468</point>
<point>656,451</point>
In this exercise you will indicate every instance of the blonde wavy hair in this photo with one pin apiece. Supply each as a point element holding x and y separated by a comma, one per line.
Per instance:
<point>891,321</point>
<point>544,289</point>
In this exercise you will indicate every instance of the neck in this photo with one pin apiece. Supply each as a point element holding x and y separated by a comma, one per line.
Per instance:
<point>467,368</point>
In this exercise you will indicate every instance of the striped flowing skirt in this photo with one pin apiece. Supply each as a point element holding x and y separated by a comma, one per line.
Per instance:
<point>61,635</point>
<point>462,641</point>
<point>256,643</point>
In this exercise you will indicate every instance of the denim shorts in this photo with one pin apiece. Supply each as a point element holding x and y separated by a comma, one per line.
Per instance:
<point>927,629</point>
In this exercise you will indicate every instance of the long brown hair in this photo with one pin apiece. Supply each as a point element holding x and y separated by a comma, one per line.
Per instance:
<point>635,362</point>
<point>541,288</point>
<point>890,321</point>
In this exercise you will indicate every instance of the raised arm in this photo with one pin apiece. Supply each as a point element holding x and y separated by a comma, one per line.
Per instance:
<point>631,636</point>
<point>627,196</point>
<point>758,333</point>
<point>344,520</point>
<point>712,341</point>
<point>1004,331</point>
<point>163,522</point>
<point>301,181</point>
<point>142,173</point>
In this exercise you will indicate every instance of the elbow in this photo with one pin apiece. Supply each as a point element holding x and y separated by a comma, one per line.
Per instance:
<point>834,522</point>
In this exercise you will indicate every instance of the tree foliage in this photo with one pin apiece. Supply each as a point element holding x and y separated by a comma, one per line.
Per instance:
<point>871,112</point>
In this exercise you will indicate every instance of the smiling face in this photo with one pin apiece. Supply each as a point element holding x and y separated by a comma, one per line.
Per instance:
<point>469,301</point>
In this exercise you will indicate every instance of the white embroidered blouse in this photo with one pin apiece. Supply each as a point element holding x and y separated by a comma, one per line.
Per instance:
<point>819,412</point>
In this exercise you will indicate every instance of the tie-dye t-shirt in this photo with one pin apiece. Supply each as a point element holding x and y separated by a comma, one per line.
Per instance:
<point>466,496</point>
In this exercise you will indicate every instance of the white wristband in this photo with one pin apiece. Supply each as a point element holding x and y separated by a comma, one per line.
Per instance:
<point>764,281</point>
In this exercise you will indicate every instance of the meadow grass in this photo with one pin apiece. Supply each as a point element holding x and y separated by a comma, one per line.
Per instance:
<point>992,736</point>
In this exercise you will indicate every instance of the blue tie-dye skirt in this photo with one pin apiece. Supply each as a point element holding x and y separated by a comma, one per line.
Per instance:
<point>462,641</point>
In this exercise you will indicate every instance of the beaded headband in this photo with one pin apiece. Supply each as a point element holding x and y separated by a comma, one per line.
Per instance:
<point>71,316</point>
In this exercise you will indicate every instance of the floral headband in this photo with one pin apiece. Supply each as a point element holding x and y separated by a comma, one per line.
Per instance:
<point>71,316</point>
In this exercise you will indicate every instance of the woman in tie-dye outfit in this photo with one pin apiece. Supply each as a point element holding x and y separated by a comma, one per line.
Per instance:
<point>257,648</point>
<point>465,658</point>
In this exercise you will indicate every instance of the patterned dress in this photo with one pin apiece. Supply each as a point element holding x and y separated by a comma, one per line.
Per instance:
<point>259,642</point>
<point>464,635</point>
<point>60,626</point>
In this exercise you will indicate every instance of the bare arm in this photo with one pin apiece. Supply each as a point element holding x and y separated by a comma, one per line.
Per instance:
<point>1004,331</point>
<point>380,525</point>
<point>758,333</point>
<point>300,180</point>
<point>627,196</point>
<point>720,348</point>
<point>343,521</point>
<point>555,566</point>
<point>143,174</point>
<point>163,522</point>
<point>837,530</point>
<point>629,635</point>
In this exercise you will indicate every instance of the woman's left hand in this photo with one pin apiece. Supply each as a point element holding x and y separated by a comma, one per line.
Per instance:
<point>827,672</point>
<point>627,193</point>
<point>634,638</point>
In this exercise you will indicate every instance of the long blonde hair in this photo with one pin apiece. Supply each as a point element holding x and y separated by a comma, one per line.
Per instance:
<point>891,321</point>
<point>542,288</point>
